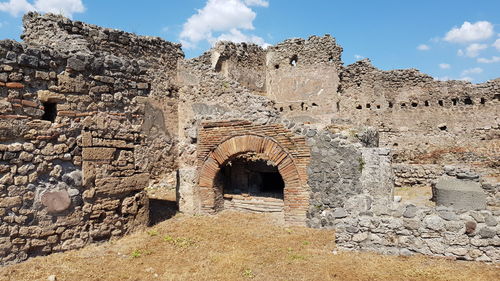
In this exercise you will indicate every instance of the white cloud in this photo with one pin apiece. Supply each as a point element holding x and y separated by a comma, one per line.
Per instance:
<point>423,47</point>
<point>444,78</point>
<point>444,66</point>
<point>359,57</point>
<point>261,3</point>
<point>237,36</point>
<point>466,78</point>
<point>475,70</point>
<point>493,59</point>
<point>470,32</point>
<point>16,7</point>
<point>497,44</point>
<point>474,49</point>
<point>225,17</point>
<point>65,7</point>
<point>447,78</point>
<point>460,52</point>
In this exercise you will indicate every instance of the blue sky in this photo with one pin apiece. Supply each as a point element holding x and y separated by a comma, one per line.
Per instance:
<point>448,39</point>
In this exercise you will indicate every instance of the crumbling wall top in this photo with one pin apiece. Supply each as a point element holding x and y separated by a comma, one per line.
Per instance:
<point>312,51</point>
<point>70,36</point>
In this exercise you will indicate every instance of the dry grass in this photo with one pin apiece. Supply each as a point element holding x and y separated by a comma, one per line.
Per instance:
<point>417,195</point>
<point>235,246</point>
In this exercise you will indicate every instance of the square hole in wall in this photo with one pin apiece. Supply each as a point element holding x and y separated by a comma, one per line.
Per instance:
<point>50,111</point>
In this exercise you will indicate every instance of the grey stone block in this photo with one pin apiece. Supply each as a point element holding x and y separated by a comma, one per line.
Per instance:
<point>410,211</point>
<point>459,194</point>
<point>339,213</point>
<point>487,232</point>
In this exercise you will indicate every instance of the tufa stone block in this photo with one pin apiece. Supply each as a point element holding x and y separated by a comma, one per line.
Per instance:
<point>48,96</point>
<point>117,185</point>
<point>98,153</point>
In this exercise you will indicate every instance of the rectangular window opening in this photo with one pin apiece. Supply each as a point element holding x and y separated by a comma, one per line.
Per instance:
<point>50,111</point>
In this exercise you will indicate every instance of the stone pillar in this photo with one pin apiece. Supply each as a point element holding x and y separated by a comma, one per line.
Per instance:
<point>377,177</point>
<point>188,197</point>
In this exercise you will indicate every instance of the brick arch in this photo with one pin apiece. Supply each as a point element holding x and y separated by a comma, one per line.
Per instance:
<point>295,193</point>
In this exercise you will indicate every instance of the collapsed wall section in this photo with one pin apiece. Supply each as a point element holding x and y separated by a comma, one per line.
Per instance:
<point>79,130</point>
<point>244,63</point>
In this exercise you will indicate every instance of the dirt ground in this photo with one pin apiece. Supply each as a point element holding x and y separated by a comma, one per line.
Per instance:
<point>236,246</point>
<point>417,195</point>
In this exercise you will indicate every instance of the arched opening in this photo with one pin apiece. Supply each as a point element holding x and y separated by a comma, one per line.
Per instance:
<point>258,173</point>
<point>253,177</point>
<point>221,66</point>
<point>250,184</point>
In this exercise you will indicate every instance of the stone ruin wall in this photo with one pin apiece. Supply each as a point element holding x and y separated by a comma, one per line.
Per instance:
<point>243,62</point>
<point>300,76</point>
<point>122,109</point>
<point>303,77</point>
<point>426,123</point>
<point>81,133</point>
<point>208,95</point>
<point>423,125</point>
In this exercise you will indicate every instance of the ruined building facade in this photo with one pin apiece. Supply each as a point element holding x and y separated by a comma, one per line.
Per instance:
<point>90,117</point>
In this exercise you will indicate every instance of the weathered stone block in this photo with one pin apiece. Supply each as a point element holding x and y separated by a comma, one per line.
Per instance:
<point>56,201</point>
<point>75,64</point>
<point>459,194</point>
<point>9,202</point>
<point>116,185</point>
<point>434,222</point>
<point>98,153</point>
<point>86,138</point>
<point>48,96</point>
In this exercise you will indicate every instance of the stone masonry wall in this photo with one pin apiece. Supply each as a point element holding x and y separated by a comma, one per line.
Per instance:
<point>416,174</point>
<point>383,226</point>
<point>302,77</point>
<point>424,121</point>
<point>242,62</point>
<point>78,127</point>
<point>342,167</point>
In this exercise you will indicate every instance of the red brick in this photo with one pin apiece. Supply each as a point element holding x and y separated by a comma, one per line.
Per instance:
<point>14,85</point>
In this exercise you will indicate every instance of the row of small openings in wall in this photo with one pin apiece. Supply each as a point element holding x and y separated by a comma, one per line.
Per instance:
<point>302,107</point>
<point>295,59</point>
<point>454,101</point>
